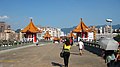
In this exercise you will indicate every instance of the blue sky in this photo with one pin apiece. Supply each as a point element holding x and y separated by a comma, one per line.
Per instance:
<point>59,13</point>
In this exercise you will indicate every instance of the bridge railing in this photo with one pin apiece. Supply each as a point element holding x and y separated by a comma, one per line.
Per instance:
<point>7,44</point>
<point>92,43</point>
<point>93,47</point>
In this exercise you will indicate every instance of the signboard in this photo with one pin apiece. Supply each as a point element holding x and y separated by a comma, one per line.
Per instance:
<point>90,35</point>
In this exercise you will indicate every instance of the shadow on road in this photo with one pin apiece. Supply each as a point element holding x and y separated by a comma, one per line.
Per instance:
<point>93,49</point>
<point>74,53</point>
<point>56,64</point>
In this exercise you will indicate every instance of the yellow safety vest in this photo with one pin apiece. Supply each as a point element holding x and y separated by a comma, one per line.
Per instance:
<point>67,48</point>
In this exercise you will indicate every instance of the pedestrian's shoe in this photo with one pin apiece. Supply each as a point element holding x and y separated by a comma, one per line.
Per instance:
<point>65,66</point>
<point>80,54</point>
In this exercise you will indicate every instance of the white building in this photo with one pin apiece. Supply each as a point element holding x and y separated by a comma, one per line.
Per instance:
<point>105,32</point>
<point>54,32</point>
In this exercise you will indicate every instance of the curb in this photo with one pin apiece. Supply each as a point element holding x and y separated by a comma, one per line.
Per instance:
<point>3,51</point>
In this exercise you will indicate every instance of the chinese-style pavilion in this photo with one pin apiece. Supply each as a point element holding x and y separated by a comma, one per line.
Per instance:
<point>81,30</point>
<point>47,36</point>
<point>31,32</point>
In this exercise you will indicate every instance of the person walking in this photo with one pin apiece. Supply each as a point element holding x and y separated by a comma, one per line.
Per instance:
<point>118,57</point>
<point>37,42</point>
<point>66,54</point>
<point>71,41</point>
<point>81,46</point>
<point>110,58</point>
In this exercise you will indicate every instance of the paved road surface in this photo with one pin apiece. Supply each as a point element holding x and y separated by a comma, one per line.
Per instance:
<point>48,56</point>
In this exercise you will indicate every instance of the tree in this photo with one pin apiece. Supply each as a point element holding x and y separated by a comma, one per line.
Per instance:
<point>117,38</point>
<point>18,30</point>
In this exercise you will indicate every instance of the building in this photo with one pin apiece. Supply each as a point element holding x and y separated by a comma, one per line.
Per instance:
<point>107,29</point>
<point>6,33</point>
<point>30,32</point>
<point>53,32</point>
<point>4,26</point>
<point>83,32</point>
<point>92,33</point>
<point>106,32</point>
<point>47,36</point>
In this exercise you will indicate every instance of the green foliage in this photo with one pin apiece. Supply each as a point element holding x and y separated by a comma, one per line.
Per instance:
<point>117,38</point>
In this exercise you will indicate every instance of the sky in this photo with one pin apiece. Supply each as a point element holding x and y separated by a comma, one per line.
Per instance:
<point>59,13</point>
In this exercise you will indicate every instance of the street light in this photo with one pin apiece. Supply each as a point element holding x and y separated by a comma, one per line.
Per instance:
<point>110,20</point>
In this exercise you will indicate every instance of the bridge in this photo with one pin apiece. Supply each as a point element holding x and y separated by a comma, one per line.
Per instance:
<point>47,55</point>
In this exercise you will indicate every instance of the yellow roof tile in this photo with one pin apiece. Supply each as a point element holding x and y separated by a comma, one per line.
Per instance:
<point>81,27</point>
<point>47,35</point>
<point>30,28</point>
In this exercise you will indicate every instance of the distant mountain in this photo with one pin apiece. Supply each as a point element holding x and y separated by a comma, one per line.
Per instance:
<point>18,30</point>
<point>67,30</point>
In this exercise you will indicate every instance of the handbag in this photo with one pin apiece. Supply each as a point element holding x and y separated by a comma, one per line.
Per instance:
<point>61,54</point>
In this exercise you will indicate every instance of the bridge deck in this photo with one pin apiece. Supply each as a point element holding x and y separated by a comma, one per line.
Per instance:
<point>48,56</point>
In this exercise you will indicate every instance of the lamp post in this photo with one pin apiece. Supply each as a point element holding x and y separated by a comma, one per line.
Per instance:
<point>110,20</point>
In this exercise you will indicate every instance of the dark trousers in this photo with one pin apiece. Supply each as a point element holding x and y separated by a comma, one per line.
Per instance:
<point>66,58</point>
<point>118,63</point>
<point>111,64</point>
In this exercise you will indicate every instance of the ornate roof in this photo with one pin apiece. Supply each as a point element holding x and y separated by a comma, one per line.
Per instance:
<point>47,35</point>
<point>56,38</point>
<point>81,28</point>
<point>31,28</point>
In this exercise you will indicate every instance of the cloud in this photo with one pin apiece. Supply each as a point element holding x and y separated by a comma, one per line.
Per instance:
<point>31,17</point>
<point>4,17</point>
